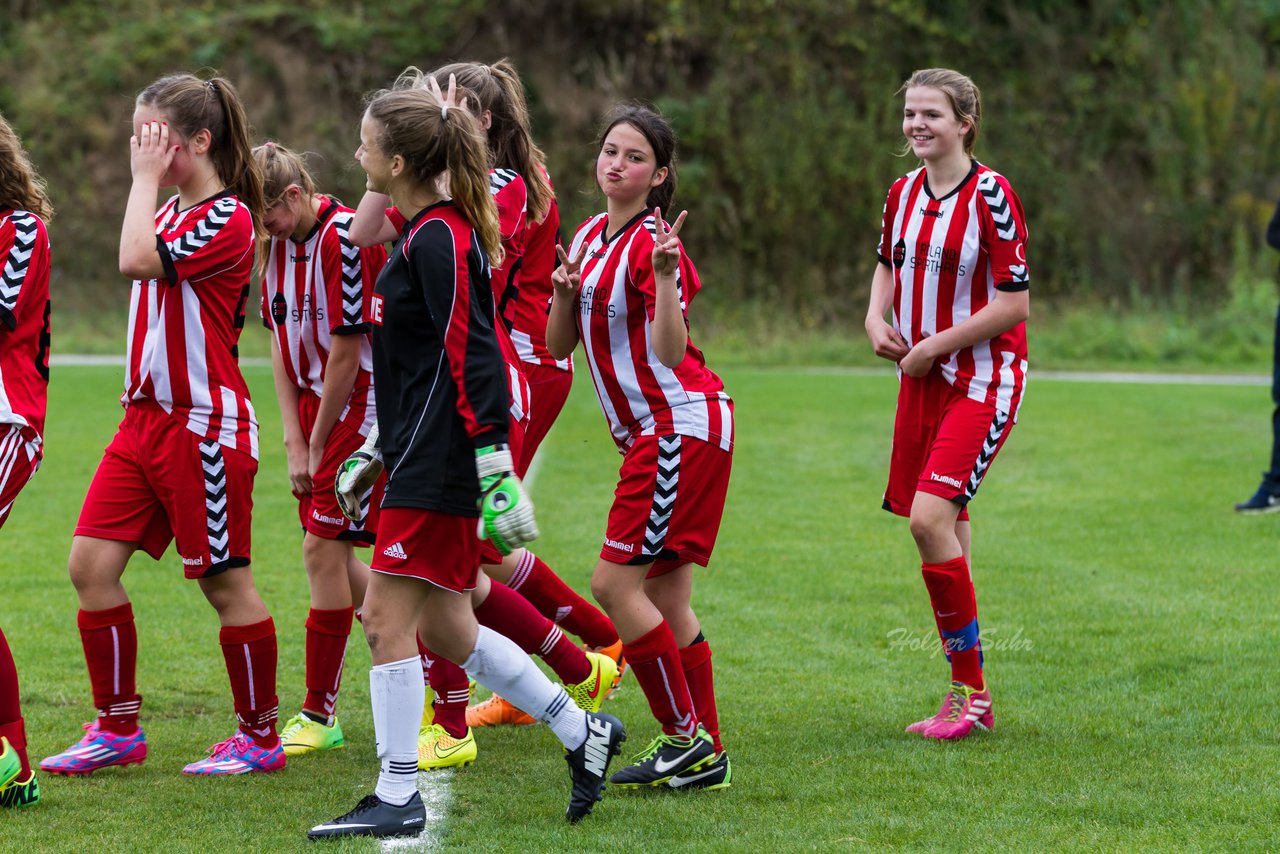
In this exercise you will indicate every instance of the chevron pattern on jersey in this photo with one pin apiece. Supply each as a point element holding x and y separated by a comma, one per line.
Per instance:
<point>352,285</point>
<point>1018,272</point>
<point>500,178</point>
<point>215,501</point>
<point>664,495</point>
<point>19,260</point>
<point>989,446</point>
<point>998,204</point>
<point>192,241</point>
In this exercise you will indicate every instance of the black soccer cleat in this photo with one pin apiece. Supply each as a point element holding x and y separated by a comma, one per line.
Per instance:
<point>589,762</point>
<point>667,756</point>
<point>375,817</point>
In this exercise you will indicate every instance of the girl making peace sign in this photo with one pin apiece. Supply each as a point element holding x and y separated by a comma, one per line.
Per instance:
<point>623,290</point>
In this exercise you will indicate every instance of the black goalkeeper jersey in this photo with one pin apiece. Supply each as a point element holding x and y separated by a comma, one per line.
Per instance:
<point>438,373</point>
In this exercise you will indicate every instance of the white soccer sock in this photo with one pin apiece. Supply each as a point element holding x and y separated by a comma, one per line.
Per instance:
<point>397,694</point>
<point>502,667</point>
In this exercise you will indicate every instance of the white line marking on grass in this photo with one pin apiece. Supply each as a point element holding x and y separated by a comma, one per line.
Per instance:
<point>437,796</point>
<point>1118,377</point>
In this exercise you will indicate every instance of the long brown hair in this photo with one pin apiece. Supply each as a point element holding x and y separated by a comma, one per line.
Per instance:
<point>282,167</point>
<point>191,105</point>
<point>511,146</point>
<point>21,187</point>
<point>413,125</point>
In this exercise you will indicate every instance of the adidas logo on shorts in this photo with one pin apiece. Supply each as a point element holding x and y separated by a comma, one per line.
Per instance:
<point>395,550</point>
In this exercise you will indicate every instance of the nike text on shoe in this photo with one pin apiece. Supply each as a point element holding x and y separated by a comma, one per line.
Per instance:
<point>716,775</point>
<point>239,754</point>
<point>667,756</point>
<point>589,694</point>
<point>303,735</point>
<point>589,762</point>
<point>375,817</point>
<point>98,749</point>
<point>437,749</point>
<point>21,793</point>
<point>963,709</point>
<point>1265,500</point>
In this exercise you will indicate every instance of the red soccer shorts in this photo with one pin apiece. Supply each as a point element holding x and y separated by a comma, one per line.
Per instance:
<point>668,503</point>
<point>159,483</point>
<point>437,547</point>
<point>548,390</point>
<point>943,443</point>
<point>19,459</point>
<point>318,510</point>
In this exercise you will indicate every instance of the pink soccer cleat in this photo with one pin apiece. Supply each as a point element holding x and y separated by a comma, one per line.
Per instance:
<point>238,755</point>
<point>964,708</point>
<point>98,749</point>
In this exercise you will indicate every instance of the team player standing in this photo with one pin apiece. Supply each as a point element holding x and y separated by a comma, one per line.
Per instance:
<point>953,268</point>
<point>24,381</point>
<point>316,286</point>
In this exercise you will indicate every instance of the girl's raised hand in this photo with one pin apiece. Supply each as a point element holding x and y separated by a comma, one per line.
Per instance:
<point>666,244</point>
<point>567,278</point>
<point>150,152</point>
<point>447,99</point>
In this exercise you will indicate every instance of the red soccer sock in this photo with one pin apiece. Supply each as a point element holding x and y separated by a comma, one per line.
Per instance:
<point>10,708</point>
<point>955,610</point>
<point>696,659</point>
<point>250,654</point>
<point>655,660</point>
<point>509,613</point>
<point>557,601</point>
<point>327,633</point>
<point>452,690</point>
<point>110,641</point>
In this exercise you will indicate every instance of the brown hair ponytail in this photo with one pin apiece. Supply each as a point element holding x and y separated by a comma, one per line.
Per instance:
<point>510,144</point>
<point>413,124</point>
<point>192,105</point>
<point>281,168</point>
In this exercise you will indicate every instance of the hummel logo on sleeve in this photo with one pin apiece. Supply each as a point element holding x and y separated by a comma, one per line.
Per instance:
<point>396,551</point>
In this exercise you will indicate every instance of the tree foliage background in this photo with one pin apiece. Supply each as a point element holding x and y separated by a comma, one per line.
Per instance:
<point>1142,136</point>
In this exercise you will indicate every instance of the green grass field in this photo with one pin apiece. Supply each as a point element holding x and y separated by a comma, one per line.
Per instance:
<point>1130,618</point>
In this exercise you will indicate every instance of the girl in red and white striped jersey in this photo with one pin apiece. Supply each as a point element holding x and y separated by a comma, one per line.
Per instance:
<point>953,267</point>
<point>623,290</point>
<point>24,383</point>
<point>182,464</point>
<point>316,287</point>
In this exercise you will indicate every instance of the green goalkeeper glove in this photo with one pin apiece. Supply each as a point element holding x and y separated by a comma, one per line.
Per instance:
<point>357,475</point>
<point>506,511</point>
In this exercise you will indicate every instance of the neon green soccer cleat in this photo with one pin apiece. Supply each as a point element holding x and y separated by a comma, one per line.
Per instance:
<point>589,694</point>
<point>21,793</point>
<point>10,764</point>
<point>437,749</point>
<point>302,735</point>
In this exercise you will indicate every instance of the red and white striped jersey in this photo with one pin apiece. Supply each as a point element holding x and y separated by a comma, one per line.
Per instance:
<point>528,304</point>
<point>639,395</point>
<point>949,256</point>
<point>24,320</point>
<point>184,328</point>
<point>314,289</point>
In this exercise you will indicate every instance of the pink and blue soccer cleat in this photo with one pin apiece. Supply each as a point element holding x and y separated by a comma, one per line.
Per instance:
<point>99,748</point>
<point>964,708</point>
<point>238,755</point>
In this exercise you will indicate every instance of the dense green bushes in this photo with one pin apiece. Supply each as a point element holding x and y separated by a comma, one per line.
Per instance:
<point>1143,137</point>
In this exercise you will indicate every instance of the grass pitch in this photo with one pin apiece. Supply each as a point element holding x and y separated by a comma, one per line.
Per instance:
<point>1129,618</point>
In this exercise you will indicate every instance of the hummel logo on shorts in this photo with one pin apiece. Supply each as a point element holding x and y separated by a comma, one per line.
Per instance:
<point>395,550</point>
